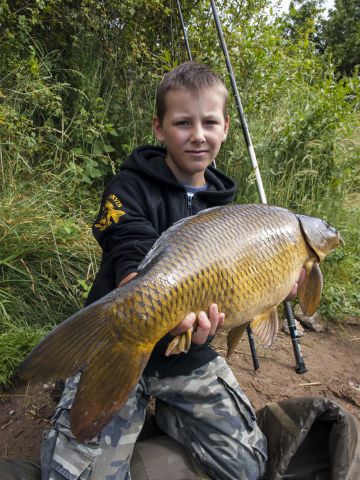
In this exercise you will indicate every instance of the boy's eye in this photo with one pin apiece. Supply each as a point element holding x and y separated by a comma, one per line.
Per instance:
<point>182,123</point>
<point>211,122</point>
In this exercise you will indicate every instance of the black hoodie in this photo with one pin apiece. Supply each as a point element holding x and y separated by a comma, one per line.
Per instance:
<point>139,203</point>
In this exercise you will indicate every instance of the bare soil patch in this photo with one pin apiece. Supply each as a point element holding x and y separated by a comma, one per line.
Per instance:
<point>332,359</point>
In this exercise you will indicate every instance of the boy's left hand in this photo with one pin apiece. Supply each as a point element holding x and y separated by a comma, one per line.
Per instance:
<point>206,324</point>
<point>298,284</point>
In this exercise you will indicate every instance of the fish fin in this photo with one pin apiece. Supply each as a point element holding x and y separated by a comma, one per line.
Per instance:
<point>309,292</point>
<point>180,343</point>
<point>102,390</point>
<point>163,243</point>
<point>265,326</point>
<point>233,338</point>
<point>70,345</point>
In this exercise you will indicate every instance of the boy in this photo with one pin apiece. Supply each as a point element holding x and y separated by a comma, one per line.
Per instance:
<point>199,402</point>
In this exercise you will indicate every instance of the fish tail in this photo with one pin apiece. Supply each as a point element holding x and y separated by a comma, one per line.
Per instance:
<point>69,346</point>
<point>103,390</point>
<point>110,364</point>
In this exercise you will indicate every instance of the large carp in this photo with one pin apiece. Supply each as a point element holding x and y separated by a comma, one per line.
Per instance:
<point>246,258</point>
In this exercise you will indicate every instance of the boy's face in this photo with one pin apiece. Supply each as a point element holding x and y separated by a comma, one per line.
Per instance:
<point>193,129</point>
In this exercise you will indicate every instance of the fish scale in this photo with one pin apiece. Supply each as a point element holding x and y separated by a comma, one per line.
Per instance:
<point>245,258</point>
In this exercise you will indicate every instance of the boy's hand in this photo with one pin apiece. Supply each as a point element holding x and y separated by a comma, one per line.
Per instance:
<point>206,326</point>
<point>298,284</point>
<point>127,279</point>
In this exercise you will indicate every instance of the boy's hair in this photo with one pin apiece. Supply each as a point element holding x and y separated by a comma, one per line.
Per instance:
<point>187,76</point>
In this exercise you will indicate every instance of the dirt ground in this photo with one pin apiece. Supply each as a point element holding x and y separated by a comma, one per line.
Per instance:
<point>332,359</point>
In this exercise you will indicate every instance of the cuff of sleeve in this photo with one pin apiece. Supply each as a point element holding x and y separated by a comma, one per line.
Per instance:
<point>209,339</point>
<point>121,272</point>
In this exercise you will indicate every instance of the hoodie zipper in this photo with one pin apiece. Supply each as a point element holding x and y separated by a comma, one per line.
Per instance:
<point>189,204</point>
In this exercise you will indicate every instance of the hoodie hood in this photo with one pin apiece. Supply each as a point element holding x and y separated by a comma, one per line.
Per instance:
<point>150,162</point>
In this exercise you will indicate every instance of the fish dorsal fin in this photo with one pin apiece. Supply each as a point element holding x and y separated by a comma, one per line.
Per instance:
<point>163,241</point>
<point>233,338</point>
<point>265,326</point>
<point>309,292</point>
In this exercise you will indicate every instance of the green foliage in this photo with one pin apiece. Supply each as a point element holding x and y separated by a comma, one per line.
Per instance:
<point>336,33</point>
<point>47,258</point>
<point>341,295</point>
<point>46,246</point>
<point>301,19</point>
<point>77,91</point>
<point>303,151</point>
<point>340,35</point>
<point>15,343</point>
<point>72,73</point>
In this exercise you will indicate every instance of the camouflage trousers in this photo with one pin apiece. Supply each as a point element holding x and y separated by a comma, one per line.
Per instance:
<point>206,411</point>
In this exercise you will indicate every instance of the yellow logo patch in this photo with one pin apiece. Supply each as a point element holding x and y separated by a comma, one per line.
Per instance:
<point>111,212</point>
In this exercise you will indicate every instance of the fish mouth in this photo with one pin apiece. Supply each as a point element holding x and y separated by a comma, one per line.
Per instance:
<point>338,239</point>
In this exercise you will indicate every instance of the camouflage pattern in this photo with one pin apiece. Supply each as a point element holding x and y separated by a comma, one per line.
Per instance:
<point>205,411</point>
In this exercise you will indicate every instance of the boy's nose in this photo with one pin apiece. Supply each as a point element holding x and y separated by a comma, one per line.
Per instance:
<point>197,135</point>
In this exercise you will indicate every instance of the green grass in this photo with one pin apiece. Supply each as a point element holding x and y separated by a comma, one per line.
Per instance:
<point>15,343</point>
<point>48,259</point>
<point>341,294</point>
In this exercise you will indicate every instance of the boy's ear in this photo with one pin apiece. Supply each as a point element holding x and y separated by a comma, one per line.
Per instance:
<point>227,125</point>
<point>156,124</point>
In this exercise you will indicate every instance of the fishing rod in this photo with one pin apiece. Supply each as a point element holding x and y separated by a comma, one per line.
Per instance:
<point>300,363</point>
<point>184,30</point>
